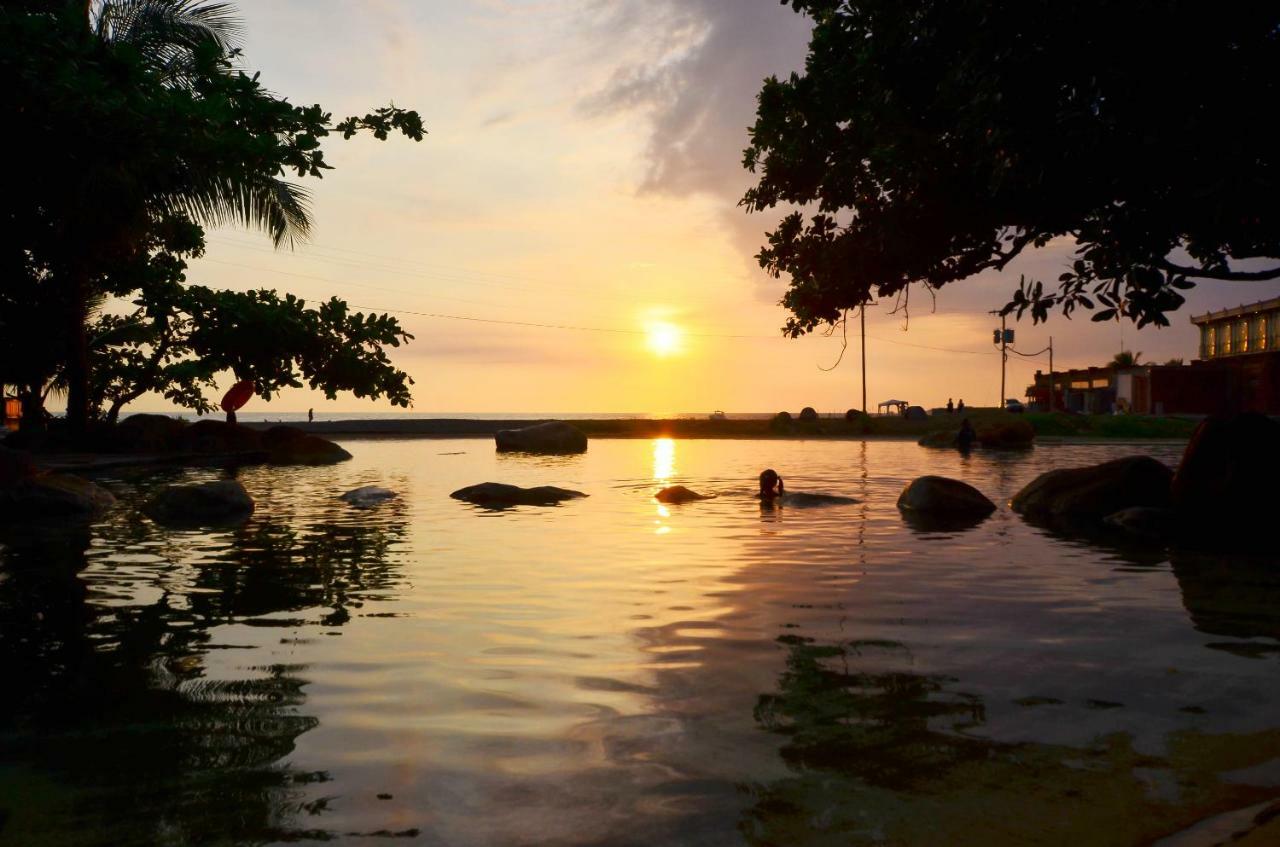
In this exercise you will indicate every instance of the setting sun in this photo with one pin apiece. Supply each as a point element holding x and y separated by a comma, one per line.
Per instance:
<point>664,339</point>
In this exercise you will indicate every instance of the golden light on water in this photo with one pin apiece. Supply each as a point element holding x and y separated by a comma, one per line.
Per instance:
<point>664,339</point>
<point>664,459</point>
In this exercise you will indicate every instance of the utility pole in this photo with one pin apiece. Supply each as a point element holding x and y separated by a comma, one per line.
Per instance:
<point>862,319</point>
<point>1004,358</point>
<point>1051,374</point>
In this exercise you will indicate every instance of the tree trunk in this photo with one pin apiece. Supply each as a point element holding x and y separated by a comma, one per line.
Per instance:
<point>77,317</point>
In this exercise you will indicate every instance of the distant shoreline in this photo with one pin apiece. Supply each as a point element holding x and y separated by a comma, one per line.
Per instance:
<point>834,429</point>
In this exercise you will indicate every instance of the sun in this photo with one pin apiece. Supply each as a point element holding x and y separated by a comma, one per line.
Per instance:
<point>664,339</point>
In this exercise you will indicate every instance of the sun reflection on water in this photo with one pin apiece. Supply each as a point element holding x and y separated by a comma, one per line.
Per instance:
<point>664,459</point>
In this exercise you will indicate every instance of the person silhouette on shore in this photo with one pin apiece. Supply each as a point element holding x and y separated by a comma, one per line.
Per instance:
<point>311,415</point>
<point>951,407</point>
<point>771,485</point>
<point>960,406</point>
<point>966,436</point>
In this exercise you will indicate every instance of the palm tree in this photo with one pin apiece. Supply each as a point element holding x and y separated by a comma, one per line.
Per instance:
<point>1126,359</point>
<point>170,37</point>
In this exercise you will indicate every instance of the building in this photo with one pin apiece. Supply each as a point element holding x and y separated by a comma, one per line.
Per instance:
<point>1238,370</point>
<point>1242,331</point>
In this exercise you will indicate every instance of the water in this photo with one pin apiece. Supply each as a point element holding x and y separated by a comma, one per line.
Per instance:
<point>612,671</point>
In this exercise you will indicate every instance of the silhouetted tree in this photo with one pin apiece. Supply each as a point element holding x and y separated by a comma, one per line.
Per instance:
<point>131,115</point>
<point>930,141</point>
<point>1126,358</point>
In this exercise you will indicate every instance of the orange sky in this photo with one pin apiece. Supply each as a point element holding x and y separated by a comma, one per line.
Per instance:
<point>582,169</point>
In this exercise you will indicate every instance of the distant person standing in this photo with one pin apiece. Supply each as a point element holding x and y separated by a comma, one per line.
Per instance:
<point>951,407</point>
<point>311,415</point>
<point>960,406</point>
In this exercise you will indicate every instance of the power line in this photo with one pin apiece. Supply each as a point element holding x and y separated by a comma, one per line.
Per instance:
<point>538,325</point>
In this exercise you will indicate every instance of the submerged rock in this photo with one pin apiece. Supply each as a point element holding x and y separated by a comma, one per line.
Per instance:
<point>553,437</point>
<point>679,494</point>
<point>1144,522</point>
<point>288,445</point>
<point>944,438</point>
<point>938,495</point>
<point>1091,493</point>
<point>207,503</point>
<point>368,496</point>
<point>499,494</point>
<point>53,495</point>
<point>1225,486</point>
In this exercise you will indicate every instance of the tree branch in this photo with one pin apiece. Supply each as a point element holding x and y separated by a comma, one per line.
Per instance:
<point>1226,276</point>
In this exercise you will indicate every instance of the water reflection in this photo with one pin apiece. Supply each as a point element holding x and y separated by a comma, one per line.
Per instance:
<point>129,717</point>
<point>664,459</point>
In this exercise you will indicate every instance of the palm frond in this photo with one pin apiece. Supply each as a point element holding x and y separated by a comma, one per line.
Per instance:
<point>168,33</point>
<point>279,208</point>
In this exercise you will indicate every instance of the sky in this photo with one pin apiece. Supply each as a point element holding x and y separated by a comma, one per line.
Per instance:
<point>583,169</point>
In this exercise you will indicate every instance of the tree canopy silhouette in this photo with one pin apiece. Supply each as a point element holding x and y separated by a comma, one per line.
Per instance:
<point>131,115</point>
<point>931,140</point>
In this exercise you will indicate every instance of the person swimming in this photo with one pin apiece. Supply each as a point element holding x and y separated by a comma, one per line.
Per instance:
<point>773,491</point>
<point>771,485</point>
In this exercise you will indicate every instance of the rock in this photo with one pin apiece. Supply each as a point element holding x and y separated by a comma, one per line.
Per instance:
<point>203,504</point>
<point>1012,434</point>
<point>210,436</point>
<point>916,413</point>
<point>939,495</point>
<point>679,494</point>
<point>368,496</point>
<point>1144,522</point>
<point>554,437</point>
<point>15,466</point>
<point>1092,493</point>
<point>808,415</point>
<point>53,495</point>
<point>288,445</point>
<point>945,438</point>
<point>1225,486</point>
<point>781,422</point>
<point>147,434</point>
<point>497,494</point>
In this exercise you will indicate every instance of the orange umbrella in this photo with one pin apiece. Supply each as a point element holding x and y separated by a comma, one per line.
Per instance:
<point>238,395</point>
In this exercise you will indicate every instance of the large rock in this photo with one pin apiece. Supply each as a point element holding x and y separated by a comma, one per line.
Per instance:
<point>53,495</point>
<point>916,413</point>
<point>202,504</point>
<point>1145,523</point>
<point>1009,433</point>
<point>938,495</point>
<point>1090,494</point>
<point>497,494</point>
<point>147,434</point>
<point>677,494</point>
<point>218,437</point>
<point>554,437</point>
<point>1225,487</point>
<point>288,445</point>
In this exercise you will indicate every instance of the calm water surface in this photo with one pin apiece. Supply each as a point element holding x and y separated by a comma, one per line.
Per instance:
<point>613,671</point>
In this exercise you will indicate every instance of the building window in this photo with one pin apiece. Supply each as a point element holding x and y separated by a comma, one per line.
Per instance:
<point>1210,335</point>
<point>1224,339</point>
<point>1259,333</point>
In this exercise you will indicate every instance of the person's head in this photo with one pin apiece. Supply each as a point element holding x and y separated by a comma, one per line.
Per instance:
<point>964,424</point>
<point>770,483</point>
